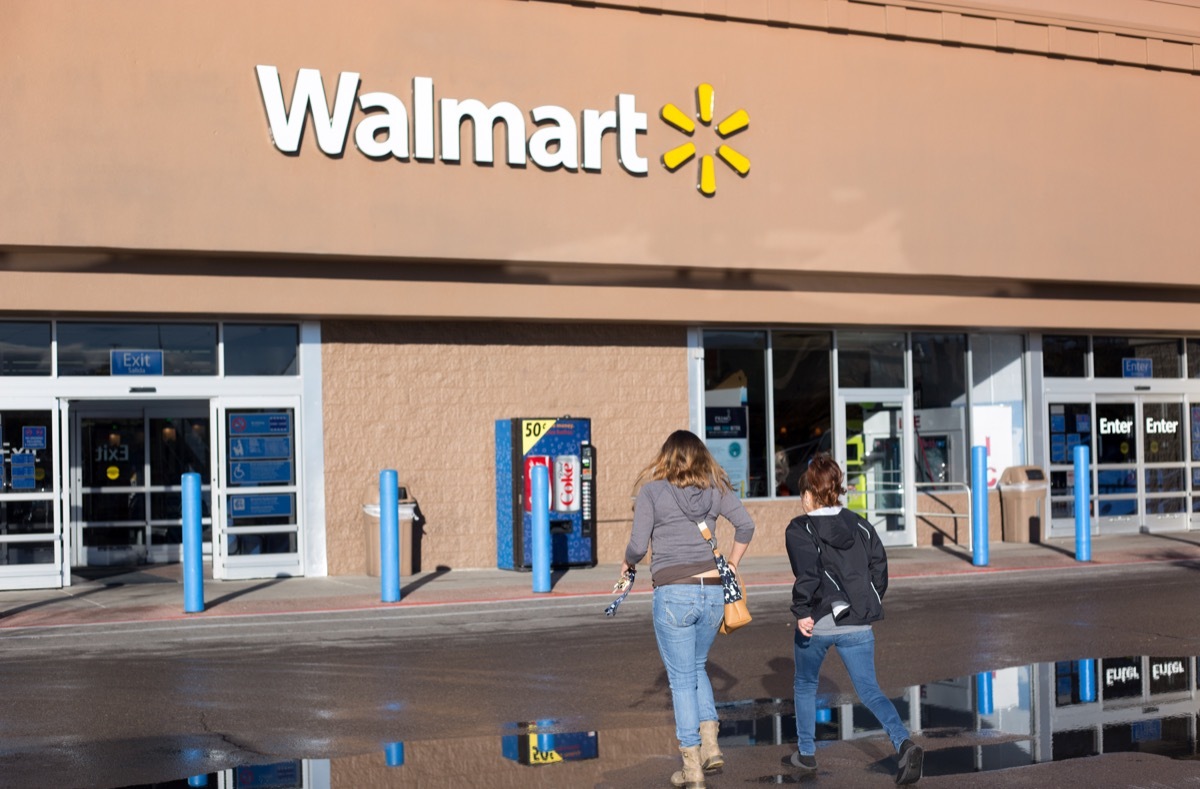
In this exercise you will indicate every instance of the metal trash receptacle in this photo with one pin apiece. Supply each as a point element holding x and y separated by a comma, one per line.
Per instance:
<point>1023,491</point>
<point>371,534</point>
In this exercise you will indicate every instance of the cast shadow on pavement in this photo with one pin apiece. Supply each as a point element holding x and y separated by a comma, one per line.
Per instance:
<point>225,598</point>
<point>67,597</point>
<point>417,584</point>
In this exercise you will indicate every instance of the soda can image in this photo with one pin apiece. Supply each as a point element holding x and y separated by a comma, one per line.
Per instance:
<point>566,483</point>
<point>530,462</point>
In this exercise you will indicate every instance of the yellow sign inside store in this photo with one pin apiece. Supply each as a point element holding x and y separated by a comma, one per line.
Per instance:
<point>112,472</point>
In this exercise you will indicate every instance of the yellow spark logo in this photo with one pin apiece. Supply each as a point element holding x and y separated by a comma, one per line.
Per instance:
<point>682,154</point>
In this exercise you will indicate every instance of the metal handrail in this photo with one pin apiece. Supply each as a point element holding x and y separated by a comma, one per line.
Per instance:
<point>966,489</point>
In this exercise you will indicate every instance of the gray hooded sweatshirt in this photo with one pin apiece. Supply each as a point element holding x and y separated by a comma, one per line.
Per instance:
<point>667,516</point>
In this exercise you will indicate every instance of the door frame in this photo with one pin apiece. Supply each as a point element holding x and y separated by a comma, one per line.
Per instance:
<point>1157,522</point>
<point>908,536</point>
<point>57,573</point>
<point>226,567</point>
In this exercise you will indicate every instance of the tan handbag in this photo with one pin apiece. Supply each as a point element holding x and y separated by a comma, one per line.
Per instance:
<point>737,613</point>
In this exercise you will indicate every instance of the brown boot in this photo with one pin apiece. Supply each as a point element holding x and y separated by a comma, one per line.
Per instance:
<point>711,758</point>
<point>692,775</point>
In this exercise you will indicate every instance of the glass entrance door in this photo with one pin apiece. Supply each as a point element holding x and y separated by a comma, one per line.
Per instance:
<point>874,436</point>
<point>1138,462</point>
<point>1164,473</point>
<point>128,463</point>
<point>31,546</point>
<point>258,504</point>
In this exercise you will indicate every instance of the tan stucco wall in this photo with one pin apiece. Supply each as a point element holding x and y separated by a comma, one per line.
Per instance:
<point>422,398</point>
<point>892,151</point>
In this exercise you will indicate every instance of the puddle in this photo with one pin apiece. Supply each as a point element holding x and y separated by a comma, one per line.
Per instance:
<point>1008,718</point>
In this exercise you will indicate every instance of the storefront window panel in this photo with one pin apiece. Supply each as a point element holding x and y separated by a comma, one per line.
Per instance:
<point>1064,355</point>
<point>802,392</point>
<point>1136,357</point>
<point>187,349</point>
<point>735,387</point>
<point>1116,442</point>
<point>1193,358</point>
<point>261,349</point>
<point>939,399</point>
<point>870,359</point>
<point>1164,432</point>
<point>1122,677</point>
<point>24,348</point>
<point>998,379</point>
<point>1166,506</point>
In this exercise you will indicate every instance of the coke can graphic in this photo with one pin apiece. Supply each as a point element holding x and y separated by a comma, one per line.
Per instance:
<point>530,462</point>
<point>566,483</point>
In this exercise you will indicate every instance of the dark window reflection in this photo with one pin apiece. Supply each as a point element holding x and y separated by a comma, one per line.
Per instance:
<point>24,348</point>
<point>261,349</point>
<point>1064,355</point>
<point>1160,354</point>
<point>188,349</point>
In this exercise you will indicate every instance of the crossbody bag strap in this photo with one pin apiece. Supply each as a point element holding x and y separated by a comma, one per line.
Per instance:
<point>708,537</point>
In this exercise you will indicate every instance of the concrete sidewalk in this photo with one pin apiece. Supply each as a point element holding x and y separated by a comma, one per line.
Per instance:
<point>155,593</point>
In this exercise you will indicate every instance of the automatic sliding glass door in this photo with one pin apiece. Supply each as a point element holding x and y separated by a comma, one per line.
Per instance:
<point>128,466</point>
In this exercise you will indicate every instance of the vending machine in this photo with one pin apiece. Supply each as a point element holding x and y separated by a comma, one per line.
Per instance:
<point>564,447</point>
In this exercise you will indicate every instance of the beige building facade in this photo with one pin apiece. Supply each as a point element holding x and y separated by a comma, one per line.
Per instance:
<point>286,246</point>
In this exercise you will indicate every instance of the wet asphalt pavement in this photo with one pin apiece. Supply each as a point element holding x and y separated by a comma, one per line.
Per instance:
<point>462,685</point>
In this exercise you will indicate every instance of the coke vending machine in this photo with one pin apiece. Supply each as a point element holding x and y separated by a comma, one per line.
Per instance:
<point>564,447</point>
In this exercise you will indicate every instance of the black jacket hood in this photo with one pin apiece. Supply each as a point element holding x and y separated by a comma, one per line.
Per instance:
<point>834,530</point>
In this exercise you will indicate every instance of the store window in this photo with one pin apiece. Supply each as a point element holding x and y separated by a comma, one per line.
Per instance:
<point>735,407</point>
<point>871,359</point>
<point>998,385</point>
<point>261,349</point>
<point>802,403</point>
<point>86,349</point>
<point>1136,357</point>
<point>940,407</point>
<point>24,348</point>
<point>1193,358</point>
<point>1065,355</point>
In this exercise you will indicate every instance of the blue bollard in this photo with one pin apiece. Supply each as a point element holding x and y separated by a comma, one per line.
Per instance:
<point>540,522</point>
<point>984,697</point>
<point>393,752</point>
<point>389,536</point>
<point>1087,681</point>
<point>979,507</point>
<point>193,553</point>
<point>198,780</point>
<point>1083,505</point>
<point>824,715</point>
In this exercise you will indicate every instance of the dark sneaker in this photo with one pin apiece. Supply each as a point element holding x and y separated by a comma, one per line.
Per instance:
<point>806,764</point>
<point>912,760</point>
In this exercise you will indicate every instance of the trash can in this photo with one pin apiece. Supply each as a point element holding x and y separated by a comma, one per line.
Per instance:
<point>371,533</point>
<point>1023,492</point>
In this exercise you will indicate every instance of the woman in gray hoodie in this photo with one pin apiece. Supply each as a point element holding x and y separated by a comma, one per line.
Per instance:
<point>687,489</point>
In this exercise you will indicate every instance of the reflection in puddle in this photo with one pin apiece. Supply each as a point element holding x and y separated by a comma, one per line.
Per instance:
<point>1013,717</point>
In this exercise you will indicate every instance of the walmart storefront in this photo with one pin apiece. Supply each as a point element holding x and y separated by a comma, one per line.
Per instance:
<point>324,248</point>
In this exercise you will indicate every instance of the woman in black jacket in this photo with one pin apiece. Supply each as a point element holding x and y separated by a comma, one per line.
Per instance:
<point>841,576</point>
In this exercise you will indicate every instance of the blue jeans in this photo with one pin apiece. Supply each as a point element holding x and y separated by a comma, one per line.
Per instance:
<point>686,619</point>
<point>857,650</point>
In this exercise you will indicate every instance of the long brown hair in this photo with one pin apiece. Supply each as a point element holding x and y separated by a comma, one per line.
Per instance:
<point>823,480</point>
<point>683,461</point>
